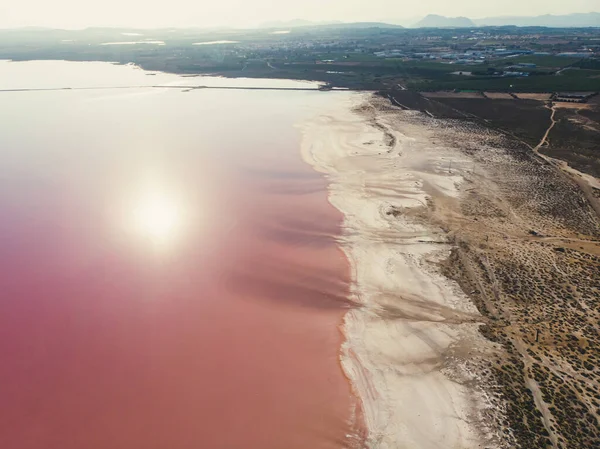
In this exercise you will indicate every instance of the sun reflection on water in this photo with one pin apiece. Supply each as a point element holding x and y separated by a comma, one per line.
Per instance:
<point>157,215</point>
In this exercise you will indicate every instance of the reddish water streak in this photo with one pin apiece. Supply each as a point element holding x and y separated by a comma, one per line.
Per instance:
<point>229,341</point>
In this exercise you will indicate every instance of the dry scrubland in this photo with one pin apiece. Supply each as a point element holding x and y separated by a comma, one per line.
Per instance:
<point>527,251</point>
<point>517,235</point>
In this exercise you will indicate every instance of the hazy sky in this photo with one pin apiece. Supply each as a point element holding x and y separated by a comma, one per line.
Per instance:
<point>152,13</point>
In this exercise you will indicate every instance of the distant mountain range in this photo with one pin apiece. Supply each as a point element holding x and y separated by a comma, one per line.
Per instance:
<point>435,21</point>
<point>286,25</point>
<point>582,20</point>
<point>578,20</point>
<point>591,19</point>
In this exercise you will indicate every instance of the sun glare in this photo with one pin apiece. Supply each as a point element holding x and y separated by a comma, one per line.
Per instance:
<point>157,216</point>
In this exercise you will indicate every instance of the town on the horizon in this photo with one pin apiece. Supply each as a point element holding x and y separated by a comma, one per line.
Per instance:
<point>364,56</point>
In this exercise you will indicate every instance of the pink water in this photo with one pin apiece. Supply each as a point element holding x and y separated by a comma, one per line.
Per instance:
<point>223,335</point>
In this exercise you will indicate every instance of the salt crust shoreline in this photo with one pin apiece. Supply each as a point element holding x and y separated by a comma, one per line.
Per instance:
<point>412,347</point>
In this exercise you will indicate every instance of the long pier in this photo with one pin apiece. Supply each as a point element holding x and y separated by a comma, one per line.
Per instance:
<point>249,88</point>
<point>51,89</point>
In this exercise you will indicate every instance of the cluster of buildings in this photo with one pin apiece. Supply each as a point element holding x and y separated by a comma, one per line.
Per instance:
<point>456,49</point>
<point>475,56</point>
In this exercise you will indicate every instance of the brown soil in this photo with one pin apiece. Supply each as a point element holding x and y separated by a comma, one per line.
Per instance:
<point>539,97</point>
<point>453,95</point>
<point>499,96</point>
<point>576,136</point>
<point>527,251</point>
<point>578,106</point>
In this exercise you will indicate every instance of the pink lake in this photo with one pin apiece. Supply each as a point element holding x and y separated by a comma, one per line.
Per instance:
<point>169,272</point>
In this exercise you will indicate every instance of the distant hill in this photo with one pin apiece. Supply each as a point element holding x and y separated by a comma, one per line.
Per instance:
<point>579,20</point>
<point>435,21</point>
<point>294,23</point>
<point>591,19</point>
<point>360,25</point>
<point>308,24</point>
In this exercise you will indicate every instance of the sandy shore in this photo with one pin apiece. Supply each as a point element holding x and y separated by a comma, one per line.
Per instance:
<point>413,350</point>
